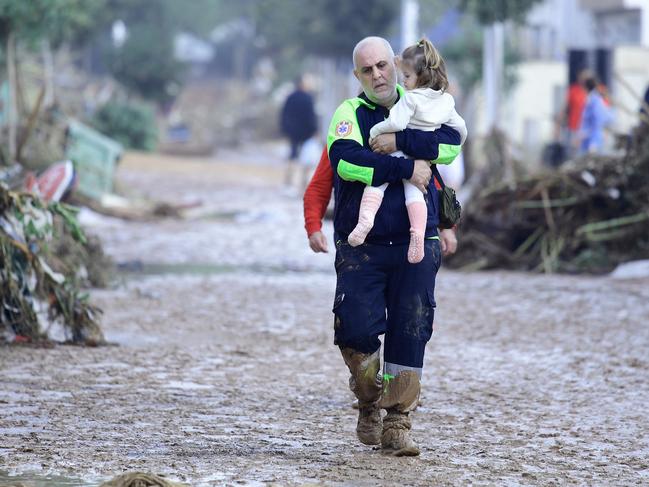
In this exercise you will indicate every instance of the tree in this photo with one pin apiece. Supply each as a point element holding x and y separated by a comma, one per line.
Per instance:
<point>464,49</point>
<point>57,20</point>
<point>489,12</point>
<point>492,15</point>
<point>32,22</point>
<point>290,32</point>
<point>145,62</point>
<point>321,29</point>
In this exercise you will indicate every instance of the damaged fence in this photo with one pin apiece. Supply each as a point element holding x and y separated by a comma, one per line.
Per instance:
<point>588,216</point>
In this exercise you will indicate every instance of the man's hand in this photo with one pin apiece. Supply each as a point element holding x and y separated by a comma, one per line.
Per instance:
<point>448,241</point>
<point>421,175</point>
<point>318,242</point>
<point>384,143</point>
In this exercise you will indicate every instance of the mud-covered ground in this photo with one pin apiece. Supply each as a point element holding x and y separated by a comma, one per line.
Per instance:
<point>225,372</point>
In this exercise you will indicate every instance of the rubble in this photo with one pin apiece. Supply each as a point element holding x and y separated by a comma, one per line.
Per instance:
<point>587,216</point>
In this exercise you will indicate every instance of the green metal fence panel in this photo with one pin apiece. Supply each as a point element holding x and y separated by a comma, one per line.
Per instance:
<point>95,157</point>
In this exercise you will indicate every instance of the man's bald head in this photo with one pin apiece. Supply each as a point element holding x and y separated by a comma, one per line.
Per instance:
<point>375,68</point>
<point>374,41</point>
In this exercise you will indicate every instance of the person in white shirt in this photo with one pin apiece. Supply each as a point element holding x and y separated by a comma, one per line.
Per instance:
<point>424,106</point>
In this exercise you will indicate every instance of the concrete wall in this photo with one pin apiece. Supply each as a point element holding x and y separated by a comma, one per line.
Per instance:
<point>530,108</point>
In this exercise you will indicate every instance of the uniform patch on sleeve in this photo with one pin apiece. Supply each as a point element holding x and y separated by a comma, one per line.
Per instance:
<point>343,128</point>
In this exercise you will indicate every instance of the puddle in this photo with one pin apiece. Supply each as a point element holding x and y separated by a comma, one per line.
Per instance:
<point>39,480</point>
<point>138,267</point>
<point>231,215</point>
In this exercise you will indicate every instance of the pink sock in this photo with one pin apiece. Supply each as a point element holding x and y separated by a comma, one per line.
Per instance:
<point>370,203</point>
<point>418,214</point>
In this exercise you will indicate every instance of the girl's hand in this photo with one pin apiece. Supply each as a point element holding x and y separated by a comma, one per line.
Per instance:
<point>384,143</point>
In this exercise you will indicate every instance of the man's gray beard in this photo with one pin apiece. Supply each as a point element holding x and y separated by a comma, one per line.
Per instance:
<point>388,104</point>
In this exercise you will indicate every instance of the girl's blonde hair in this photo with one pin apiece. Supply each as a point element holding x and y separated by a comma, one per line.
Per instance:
<point>428,64</point>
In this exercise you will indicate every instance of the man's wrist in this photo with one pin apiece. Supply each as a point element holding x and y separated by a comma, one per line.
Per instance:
<point>398,139</point>
<point>311,230</point>
<point>409,168</point>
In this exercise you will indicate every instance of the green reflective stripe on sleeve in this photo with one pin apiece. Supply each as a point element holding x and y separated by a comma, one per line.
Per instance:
<point>447,153</point>
<point>351,172</point>
<point>436,237</point>
<point>344,124</point>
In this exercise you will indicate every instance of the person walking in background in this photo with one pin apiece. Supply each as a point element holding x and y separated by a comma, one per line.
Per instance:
<point>575,102</point>
<point>298,122</point>
<point>378,292</point>
<point>644,108</point>
<point>316,199</point>
<point>596,116</point>
<point>424,106</point>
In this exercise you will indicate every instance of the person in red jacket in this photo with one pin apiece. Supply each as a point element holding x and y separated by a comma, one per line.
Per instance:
<point>574,108</point>
<point>316,200</point>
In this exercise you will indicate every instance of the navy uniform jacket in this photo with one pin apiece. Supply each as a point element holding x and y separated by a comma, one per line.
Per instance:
<point>355,166</point>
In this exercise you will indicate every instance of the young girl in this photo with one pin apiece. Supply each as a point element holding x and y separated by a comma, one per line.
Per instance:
<point>425,106</point>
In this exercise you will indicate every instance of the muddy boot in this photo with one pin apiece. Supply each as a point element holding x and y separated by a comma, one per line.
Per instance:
<point>365,383</point>
<point>369,426</point>
<point>395,439</point>
<point>400,397</point>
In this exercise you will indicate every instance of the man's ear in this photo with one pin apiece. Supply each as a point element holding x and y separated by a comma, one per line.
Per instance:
<point>397,61</point>
<point>357,75</point>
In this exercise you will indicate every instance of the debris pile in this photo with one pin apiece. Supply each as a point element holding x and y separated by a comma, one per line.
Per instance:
<point>39,289</point>
<point>588,216</point>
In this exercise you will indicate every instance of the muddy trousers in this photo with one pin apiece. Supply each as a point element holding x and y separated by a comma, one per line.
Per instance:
<point>378,292</point>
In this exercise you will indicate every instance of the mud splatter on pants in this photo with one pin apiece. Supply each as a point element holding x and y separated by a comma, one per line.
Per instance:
<point>379,292</point>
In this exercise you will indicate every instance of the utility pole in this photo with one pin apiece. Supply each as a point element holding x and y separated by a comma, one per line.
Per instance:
<point>409,22</point>
<point>12,111</point>
<point>493,54</point>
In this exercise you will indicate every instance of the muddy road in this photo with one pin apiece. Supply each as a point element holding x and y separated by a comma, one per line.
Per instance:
<point>225,373</point>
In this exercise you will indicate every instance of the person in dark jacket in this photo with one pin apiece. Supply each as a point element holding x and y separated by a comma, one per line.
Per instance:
<point>644,108</point>
<point>298,121</point>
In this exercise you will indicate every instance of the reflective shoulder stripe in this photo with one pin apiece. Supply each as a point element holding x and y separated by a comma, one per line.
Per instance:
<point>351,172</point>
<point>344,124</point>
<point>447,153</point>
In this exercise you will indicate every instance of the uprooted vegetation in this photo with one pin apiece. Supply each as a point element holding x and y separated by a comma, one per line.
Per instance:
<point>40,284</point>
<point>588,216</point>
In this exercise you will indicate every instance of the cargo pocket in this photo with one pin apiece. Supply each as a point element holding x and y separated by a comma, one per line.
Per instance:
<point>435,249</point>
<point>338,319</point>
<point>430,292</point>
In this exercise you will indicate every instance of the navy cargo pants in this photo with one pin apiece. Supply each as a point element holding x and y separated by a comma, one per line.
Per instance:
<point>379,292</point>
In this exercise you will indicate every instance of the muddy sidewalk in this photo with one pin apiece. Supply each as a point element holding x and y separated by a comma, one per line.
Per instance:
<point>226,374</point>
